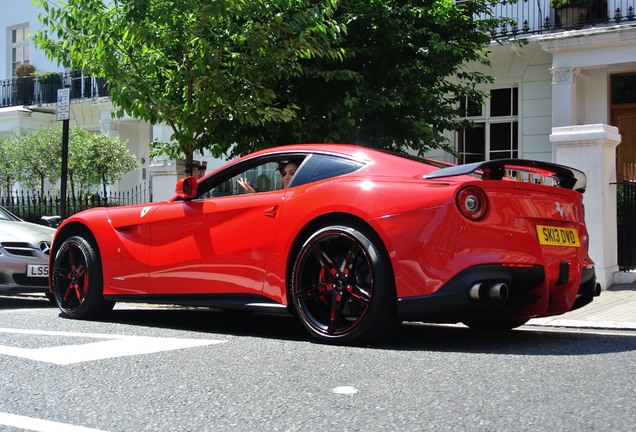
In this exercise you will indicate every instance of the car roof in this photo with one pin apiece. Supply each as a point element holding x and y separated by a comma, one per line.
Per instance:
<point>352,151</point>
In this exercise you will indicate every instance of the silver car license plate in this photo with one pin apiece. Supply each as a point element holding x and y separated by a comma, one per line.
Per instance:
<point>37,271</point>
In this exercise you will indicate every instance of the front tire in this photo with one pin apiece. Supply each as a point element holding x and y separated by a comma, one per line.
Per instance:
<point>77,281</point>
<point>342,286</point>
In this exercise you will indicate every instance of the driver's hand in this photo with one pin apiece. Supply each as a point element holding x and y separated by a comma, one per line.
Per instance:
<point>245,184</point>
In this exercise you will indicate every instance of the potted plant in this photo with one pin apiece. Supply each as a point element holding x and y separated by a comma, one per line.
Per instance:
<point>50,83</point>
<point>25,83</point>
<point>571,12</point>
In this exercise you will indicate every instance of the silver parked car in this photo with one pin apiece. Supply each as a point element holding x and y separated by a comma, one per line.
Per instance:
<point>24,255</point>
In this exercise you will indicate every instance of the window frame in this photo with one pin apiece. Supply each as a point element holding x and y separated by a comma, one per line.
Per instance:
<point>487,122</point>
<point>308,171</point>
<point>20,44</point>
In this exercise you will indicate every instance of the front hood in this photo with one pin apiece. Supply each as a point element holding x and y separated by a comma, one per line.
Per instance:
<point>13,231</point>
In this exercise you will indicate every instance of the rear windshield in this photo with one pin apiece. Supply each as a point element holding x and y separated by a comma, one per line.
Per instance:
<point>431,162</point>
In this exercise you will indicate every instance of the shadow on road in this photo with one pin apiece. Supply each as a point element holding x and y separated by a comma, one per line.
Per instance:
<point>34,301</point>
<point>527,340</point>
<point>220,323</point>
<point>411,337</point>
<point>522,341</point>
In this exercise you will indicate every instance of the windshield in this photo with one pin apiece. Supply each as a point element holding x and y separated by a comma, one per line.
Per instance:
<point>7,215</point>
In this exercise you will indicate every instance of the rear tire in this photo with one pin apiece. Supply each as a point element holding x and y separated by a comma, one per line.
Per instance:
<point>342,286</point>
<point>77,281</point>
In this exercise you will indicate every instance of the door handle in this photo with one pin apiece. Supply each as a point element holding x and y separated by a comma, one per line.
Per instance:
<point>271,212</point>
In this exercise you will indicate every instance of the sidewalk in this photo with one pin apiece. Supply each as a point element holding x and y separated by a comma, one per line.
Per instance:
<point>615,308</point>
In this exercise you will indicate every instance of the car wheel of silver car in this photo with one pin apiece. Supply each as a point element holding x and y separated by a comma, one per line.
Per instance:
<point>342,286</point>
<point>76,280</point>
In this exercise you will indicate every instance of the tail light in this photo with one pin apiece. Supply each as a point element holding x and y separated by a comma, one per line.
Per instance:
<point>472,202</point>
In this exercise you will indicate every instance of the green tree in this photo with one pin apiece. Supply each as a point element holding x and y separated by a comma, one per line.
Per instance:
<point>94,160</point>
<point>9,172</point>
<point>234,76</point>
<point>97,160</point>
<point>38,157</point>
<point>401,82</point>
<point>193,64</point>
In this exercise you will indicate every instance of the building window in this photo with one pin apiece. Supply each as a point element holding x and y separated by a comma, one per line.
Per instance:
<point>495,134</point>
<point>19,46</point>
<point>623,89</point>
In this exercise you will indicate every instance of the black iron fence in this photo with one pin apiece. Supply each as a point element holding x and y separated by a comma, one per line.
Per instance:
<point>41,89</point>
<point>626,215</point>
<point>537,16</point>
<point>32,206</point>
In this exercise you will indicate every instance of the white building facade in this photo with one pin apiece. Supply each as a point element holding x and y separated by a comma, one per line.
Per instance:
<point>567,95</point>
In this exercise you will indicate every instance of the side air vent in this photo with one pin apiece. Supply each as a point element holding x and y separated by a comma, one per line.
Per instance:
<point>19,249</point>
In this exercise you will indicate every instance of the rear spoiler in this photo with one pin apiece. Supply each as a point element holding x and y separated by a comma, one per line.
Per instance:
<point>563,176</point>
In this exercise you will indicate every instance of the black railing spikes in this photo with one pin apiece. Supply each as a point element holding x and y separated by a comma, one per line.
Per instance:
<point>31,206</point>
<point>538,17</point>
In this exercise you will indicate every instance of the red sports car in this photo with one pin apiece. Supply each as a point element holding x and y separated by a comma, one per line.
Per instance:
<point>356,242</point>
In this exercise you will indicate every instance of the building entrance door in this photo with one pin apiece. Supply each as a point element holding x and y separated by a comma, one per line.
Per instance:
<point>625,120</point>
<point>623,116</point>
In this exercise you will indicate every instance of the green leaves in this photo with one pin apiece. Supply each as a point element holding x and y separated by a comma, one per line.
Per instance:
<point>93,159</point>
<point>9,171</point>
<point>398,82</point>
<point>233,76</point>
<point>195,65</point>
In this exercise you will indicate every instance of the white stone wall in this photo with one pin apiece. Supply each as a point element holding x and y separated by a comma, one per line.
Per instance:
<point>592,149</point>
<point>528,68</point>
<point>17,13</point>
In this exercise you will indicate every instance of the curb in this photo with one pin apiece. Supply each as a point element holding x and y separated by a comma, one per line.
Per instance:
<point>567,323</point>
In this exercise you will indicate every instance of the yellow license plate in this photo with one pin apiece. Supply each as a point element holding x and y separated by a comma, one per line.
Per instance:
<point>557,236</point>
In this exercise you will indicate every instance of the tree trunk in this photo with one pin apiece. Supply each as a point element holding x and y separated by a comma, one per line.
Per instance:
<point>189,159</point>
<point>104,187</point>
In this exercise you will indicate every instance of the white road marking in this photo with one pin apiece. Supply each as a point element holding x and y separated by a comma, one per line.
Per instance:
<point>346,390</point>
<point>108,347</point>
<point>33,424</point>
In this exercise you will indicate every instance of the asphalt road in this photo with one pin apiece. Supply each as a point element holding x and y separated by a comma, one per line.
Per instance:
<point>154,369</point>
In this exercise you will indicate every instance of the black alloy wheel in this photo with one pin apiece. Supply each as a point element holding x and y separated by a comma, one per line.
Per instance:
<point>76,280</point>
<point>342,286</point>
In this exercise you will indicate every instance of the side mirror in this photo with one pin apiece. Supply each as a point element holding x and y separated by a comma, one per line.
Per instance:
<point>186,188</point>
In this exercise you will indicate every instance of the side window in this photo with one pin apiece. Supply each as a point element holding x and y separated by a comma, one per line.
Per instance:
<point>263,178</point>
<point>268,175</point>
<point>320,167</point>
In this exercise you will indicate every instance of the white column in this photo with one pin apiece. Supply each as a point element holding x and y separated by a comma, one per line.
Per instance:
<point>161,132</point>
<point>564,96</point>
<point>164,172</point>
<point>110,126</point>
<point>592,149</point>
